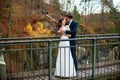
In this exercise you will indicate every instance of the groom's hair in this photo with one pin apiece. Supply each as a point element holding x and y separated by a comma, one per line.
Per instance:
<point>69,15</point>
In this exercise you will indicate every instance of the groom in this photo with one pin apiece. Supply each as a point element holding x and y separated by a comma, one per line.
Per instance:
<point>73,29</point>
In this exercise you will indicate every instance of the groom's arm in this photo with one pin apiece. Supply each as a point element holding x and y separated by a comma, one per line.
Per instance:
<point>74,30</point>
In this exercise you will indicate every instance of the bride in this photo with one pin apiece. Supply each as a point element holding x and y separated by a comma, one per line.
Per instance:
<point>64,64</point>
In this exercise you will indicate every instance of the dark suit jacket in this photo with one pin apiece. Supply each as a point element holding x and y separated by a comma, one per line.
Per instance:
<point>73,30</point>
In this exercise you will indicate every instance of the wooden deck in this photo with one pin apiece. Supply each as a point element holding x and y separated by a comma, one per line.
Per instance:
<point>85,71</point>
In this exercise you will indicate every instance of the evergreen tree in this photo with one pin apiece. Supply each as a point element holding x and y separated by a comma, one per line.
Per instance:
<point>76,15</point>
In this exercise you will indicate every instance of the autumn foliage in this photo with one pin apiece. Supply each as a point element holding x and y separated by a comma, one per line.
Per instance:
<point>37,29</point>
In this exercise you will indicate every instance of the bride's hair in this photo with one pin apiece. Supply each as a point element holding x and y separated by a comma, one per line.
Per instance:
<point>60,22</point>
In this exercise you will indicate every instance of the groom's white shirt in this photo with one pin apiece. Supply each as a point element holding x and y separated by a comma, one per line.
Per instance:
<point>64,31</point>
<point>70,22</point>
<point>68,25</point>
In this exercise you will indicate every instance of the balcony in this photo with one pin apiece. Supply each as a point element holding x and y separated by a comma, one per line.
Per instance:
<point>34,58</point>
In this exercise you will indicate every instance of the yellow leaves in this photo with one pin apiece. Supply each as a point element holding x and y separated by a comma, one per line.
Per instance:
<point>39,24</point>
<point>28,28</point>
<point>37,29</point>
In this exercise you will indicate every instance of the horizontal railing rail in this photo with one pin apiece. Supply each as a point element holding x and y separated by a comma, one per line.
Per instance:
<point>28,58</point>
<point>54,40</point>
<point>54,37</point>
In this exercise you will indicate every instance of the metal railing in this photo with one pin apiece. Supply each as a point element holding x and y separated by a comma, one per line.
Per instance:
<point>57,37</point>
<point>35,58</point>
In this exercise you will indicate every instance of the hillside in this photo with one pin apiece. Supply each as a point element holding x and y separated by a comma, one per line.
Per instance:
<point>98,23</point>
<point>18,15</point>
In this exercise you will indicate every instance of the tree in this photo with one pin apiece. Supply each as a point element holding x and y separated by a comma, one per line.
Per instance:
<point>114,14</point>
<point>5,14</point>
<point>56,5</point>
<point>76,15</point>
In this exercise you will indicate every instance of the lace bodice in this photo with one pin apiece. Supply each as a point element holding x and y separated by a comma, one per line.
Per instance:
<point>65,28</point>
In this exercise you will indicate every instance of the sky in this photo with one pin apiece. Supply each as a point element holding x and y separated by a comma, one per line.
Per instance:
<point>116,2</point>
<point>96,7</point>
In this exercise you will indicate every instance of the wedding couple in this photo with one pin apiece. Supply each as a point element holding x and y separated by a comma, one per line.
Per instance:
<point>66,63</point>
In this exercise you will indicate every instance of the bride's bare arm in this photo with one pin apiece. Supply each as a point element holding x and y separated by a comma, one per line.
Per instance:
<point>67,35</point>
<point>60,30</point>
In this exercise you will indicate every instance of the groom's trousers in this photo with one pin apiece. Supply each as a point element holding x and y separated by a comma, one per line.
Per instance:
<point>73,51</point>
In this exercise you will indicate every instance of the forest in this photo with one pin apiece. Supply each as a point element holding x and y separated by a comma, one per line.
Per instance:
<point>19,18</point>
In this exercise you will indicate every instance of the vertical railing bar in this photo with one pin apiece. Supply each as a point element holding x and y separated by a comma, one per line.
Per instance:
<point>119,48</point>
<point>5,78</point>
<point>94,59</point>
<point>86,63</point>
<point>5,73</point>
<point>10,64</point>
<point>22,66</point>
<point>39,60</point>
<point>43,50</point>
<point>50,60</point>
<point>97,55</point>
<point>28,68</point>
<point>31,57</point>
<point>27,65</point>
<point>89,61</point>
<point>16,64</point>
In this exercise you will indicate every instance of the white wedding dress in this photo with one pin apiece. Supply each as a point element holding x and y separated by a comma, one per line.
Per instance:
<point>64,64</point>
